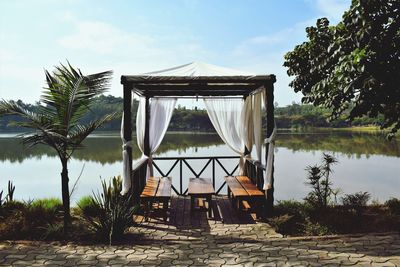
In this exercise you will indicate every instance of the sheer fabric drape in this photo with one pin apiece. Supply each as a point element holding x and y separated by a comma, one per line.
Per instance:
<point>161,110</point>
<point>232,119</point>
<point>270,142</point>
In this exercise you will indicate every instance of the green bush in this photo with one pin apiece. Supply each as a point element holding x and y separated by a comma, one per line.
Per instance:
<point>359,199</point>
<point>88,207</point>
<point>318,179</point>
<point>314,228</point>
<point>30,220</point>
<point>292,207</point>
<point>289,216</point>
<point>53,231</point>
<point>394,206</point>
<point>115,211</point>
<point>282,224</point>
<point>50,205</point>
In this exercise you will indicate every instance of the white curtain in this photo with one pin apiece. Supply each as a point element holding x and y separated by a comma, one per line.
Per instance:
<point>232,119</point>
<point>125,160</point>
<point>161,110</point>
<point>270,141</point>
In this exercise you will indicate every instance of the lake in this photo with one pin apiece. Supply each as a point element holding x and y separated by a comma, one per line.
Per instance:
<point>367,162</point>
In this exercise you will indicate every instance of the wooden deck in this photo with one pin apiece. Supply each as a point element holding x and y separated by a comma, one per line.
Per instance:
<point>179,214</point>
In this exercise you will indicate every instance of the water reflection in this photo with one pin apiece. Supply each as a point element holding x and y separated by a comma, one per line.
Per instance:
<point>103,149</point>
<point>106,149</point>
<point>348,143</point>
<point>367,162</point>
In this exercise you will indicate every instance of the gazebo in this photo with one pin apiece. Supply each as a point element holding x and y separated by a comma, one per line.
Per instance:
<point>158,92</point>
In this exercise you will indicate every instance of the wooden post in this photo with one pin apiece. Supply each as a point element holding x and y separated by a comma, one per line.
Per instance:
<point>146,138</point>
<point>269,103</point>
<point>128,137</point>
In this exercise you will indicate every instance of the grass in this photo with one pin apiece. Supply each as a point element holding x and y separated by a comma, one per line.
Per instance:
<point>48,204</point>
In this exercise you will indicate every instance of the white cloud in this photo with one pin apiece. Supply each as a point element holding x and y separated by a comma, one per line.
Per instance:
<point>103,38</point>
<point>105,46</point>
<point>282,39</point>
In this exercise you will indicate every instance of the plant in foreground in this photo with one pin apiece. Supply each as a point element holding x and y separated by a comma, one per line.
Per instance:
<point>32,219</point>
<point>58,119</point>
<point>319,179</point>
<point>11,190</point>
<point>114,211</point>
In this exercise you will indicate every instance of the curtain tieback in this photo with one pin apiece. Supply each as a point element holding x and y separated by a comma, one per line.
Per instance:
<point>126,144</point>
<point>150,160</point>
<point>272,137</point>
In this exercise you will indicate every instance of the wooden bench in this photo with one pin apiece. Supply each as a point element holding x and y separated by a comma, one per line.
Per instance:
<point>157,189</point>
<point>242,191</point>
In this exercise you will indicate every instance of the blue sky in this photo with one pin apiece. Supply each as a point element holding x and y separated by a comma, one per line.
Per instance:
<point>132,37</point>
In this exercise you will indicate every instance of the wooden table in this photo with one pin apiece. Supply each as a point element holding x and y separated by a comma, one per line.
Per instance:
<point>200,188</point>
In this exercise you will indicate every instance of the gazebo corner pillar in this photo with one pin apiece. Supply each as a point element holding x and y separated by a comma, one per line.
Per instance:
<point>128,137</point>
<point>270,120</point>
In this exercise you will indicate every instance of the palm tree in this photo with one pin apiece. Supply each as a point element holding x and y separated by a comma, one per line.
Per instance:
<point>64,102</point>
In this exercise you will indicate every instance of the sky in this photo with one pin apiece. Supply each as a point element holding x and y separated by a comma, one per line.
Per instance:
<point>133,37</point>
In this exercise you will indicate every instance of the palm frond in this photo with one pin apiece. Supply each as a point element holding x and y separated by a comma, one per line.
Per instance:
<point>69,93</point>
<point>31,119</point>
<point>80,132</point>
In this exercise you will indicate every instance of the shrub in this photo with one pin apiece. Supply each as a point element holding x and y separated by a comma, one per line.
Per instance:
<point>356,200</point>
<point>394,206</point>
<point>290,216</point>
<point>30,220</point>
<point>319,179</point>
<point>44,210</point>
<point>292,207</point>
<point>115,211</point>
<point>48,204</point>
<point>282,224</point>
<point>88,207</point>
<point>10,227</point>
<point>53,231</point>
<point>314,228</point>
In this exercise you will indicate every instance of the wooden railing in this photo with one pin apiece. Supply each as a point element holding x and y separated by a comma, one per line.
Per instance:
<point>253,169</point>
<point>182,162</point>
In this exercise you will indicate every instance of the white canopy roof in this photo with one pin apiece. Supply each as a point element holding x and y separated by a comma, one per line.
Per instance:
<point>198,69</point>
<point>196,78</point>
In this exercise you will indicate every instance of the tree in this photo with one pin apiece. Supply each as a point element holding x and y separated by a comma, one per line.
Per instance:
<point>57,121</point>
<point>353,66</point>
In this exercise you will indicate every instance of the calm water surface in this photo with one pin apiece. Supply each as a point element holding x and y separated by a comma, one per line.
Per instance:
<point>367,162</point>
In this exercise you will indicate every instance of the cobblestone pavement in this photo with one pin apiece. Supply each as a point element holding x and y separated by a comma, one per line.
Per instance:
<point>213,244</point>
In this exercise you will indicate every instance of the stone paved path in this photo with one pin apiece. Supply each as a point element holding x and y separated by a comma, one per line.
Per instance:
<point>215,244</point>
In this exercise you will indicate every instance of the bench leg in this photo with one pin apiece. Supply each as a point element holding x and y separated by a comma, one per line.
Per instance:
<point>191,204</point>
<point>165,207</point>
<point>258,206</point>
<point>209,199</point>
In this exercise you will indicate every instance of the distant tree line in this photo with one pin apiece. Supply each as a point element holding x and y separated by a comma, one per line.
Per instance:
<point>184,119</point>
